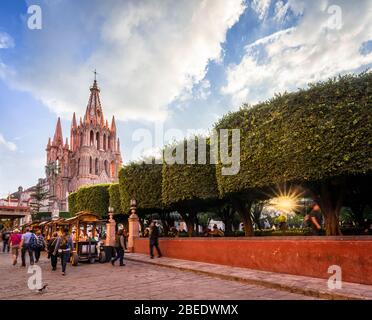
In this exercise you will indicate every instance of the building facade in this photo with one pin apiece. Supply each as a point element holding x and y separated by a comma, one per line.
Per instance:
<point>92,157</point>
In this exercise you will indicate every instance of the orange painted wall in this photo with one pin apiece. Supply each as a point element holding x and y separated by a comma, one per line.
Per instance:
<point>294,255</point>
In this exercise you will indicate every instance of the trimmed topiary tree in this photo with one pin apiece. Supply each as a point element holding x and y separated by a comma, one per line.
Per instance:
<point>189,188</point>
<point>93,198</point>
<point>72,203</point>
<point>318,137</point>
<point>114,195</point>
<point>141,182</point>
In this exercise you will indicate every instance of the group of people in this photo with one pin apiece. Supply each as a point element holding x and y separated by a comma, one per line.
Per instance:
<point>32,243</point>
<point>60,245</point>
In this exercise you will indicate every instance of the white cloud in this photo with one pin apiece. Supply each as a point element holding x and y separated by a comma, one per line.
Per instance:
<point>147,54</point>
<point>281,10</point>
<point>6,41</point>
<point>7,144</point>
<point>261,7</point>
<point>204,90</point>
<point>311,51</point>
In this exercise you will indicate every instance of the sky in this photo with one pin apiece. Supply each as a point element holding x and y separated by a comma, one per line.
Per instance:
<point>164,67</point>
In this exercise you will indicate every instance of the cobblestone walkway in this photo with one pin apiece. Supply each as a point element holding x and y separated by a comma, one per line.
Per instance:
<point>136,280</point>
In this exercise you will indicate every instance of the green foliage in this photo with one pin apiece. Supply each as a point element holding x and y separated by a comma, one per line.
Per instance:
<point>189,184</point>
<point>93,198</point>
<point>114,193</point>
<point>141,182</point>
<point>309,135</point>
<point>72,202</point>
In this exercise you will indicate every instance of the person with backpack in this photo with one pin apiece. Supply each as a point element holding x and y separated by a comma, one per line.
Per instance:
<point>28,244</point>
<point>64,246</point>
<point>51,248</point>
<point>40,245</point>
<point>120,246</point>
<point>5,237</point>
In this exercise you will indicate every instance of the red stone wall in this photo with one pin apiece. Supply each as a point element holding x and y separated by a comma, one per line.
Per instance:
<point>294,255</point>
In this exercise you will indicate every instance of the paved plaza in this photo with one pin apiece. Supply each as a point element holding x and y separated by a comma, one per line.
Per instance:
<point>137,280</point>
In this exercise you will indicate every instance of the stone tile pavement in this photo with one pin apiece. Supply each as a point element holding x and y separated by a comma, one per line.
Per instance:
<point>312,287</point>
<point>137,280</point>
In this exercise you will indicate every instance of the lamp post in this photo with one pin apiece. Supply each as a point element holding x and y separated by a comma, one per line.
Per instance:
<point>133,223</point>
<point>110,228</point>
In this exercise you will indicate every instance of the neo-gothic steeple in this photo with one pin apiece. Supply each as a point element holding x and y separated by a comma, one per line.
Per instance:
<point>94,112</point>
<point>58,138</point>
<point>92,156</point>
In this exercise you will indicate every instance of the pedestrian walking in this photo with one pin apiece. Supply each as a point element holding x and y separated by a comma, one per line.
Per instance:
<point>64,247</point>
<point>154,239</point>
<point>15,241</point>
<point>5,236</point>
<point>120,246</point>
<point>40,245</point>
<point>51,248</point>
<point>28,244</point>
<point>316,218</point>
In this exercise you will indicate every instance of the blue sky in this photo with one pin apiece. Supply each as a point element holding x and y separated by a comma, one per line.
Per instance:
<point>161,64</point>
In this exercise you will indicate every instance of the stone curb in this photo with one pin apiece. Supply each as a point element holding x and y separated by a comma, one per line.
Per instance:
<point>322,294</point>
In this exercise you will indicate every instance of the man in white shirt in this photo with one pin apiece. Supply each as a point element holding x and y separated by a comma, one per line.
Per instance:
<point>26,246</point>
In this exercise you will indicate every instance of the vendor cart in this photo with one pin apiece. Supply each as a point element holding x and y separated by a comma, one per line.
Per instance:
<point>87,245</point>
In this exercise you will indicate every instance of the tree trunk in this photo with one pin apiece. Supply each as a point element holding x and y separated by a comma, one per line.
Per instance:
<point>228,219</point>
<point>330,203</point>
<point>244,210</point>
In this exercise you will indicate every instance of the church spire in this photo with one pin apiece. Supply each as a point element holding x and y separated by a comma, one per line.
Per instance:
<point>58,138</point>
<point>113,124</point>
<point>94,112</point>
<point>74,124</point>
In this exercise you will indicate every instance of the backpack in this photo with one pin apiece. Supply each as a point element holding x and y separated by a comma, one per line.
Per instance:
<point>64,243</point>
<point>33,242</point>
<point>40,242</point>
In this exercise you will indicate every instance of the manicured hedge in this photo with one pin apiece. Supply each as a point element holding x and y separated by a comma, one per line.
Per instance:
<point>141,182</point>
<point>308,135</point>
<point>114,193</point>
<point>185,184</point>
<point>93,198</point>
<point>72,202</point>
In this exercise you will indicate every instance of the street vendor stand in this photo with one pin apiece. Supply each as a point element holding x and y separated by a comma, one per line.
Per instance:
<point>87,247</point>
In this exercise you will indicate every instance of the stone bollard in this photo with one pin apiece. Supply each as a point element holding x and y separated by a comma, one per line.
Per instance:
<point>110,230</point>
<point>133,229</point>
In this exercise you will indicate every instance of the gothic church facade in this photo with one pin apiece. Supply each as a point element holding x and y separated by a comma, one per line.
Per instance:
<point>92,157</point>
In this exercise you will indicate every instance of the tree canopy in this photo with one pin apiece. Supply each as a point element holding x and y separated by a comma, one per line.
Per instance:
<point>142,182</point>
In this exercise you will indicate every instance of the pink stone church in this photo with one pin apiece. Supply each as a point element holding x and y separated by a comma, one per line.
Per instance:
<point>92,157</point>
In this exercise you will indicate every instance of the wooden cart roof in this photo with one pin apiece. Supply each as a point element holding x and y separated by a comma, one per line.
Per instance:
<point>84,216</point>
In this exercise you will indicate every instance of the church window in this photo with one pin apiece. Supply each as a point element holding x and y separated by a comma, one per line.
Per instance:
<point>81,139</point>
<point>97,167</point>
<point>91,138</point>
<point>97,140</point>
<point>78,167</point>
<point>106,167</point>
<point>109,143</point>
<point>90,165</point>
<point>104,142</point>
